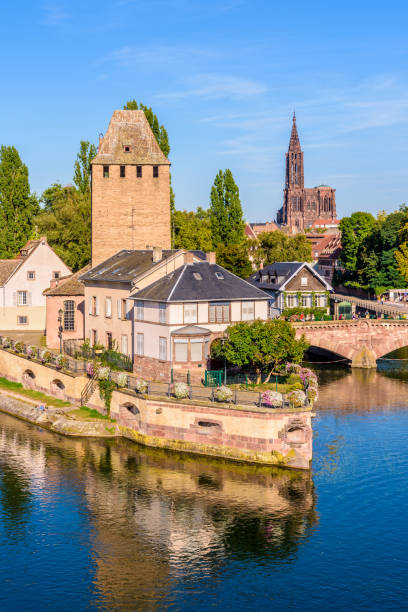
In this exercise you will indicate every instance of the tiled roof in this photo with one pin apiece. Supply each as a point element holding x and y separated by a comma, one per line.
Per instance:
<point>7,268</point>
<point>69,285</point>
<point>200,282</point>
<point>129,128</point>
<point>124,266</point>
<point>281,272</point>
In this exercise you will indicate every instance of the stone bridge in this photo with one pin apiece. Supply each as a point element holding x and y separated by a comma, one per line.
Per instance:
<point>360,341</point>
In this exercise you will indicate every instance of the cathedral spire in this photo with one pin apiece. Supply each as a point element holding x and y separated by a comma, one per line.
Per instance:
<point>294,143</point>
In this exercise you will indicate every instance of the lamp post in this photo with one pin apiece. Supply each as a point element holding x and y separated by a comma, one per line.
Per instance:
<point>60,313</point>
<point>223,339</point>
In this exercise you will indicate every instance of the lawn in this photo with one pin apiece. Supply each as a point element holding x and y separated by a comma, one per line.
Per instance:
<point>293,382</point>
<point>85,414</point>
<point>16,387</point>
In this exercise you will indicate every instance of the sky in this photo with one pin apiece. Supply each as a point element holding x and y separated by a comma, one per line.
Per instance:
<point>224,78</point>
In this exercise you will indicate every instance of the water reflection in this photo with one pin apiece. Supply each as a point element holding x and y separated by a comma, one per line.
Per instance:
<point>156,517</point>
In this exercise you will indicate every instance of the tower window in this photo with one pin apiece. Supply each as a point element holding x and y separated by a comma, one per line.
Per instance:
<point>139,171</point>
<point>155,171</point>
<point>122,171</point>
<point>106,172</point>
<point>126,149</point>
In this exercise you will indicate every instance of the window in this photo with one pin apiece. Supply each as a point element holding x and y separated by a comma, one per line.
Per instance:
<point>22,298</point>
<point>56,274</point>
<point>124,309</point>
<point>197,276</point>
<point>303,281</point>
<point>190,313</point>
<point>181,350</point>
<point>163,349</point>
<point>292,301</point>
<point>124,345</point>
<point>140,344</point>
<point>94,337</point>
<point>122,171</point>
<point>93,305</point>
<point>126,149</point>
<point>162,313</point>
<point>108,307</point>
<point>109,342</point>
<point>119,308</point>
<point>155,171</point>
<point>31,275</point>
<point>321,301</point>
<point>106,172</point>
<point>69,314</point>
<point>196,349</point>
<point>139,171</point>
<point>307,300</point>
<point>219,312</point>
<point>140,310</point>
<point>248,311</point>
<point>22,320</point>
<point>219,275</point>
<point>128,310</point>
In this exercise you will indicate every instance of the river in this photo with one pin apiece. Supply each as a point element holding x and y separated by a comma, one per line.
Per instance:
<point>96,525</point>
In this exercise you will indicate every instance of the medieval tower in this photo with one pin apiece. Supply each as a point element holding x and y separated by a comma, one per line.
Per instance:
<point>130,189</point>
<point>302,207</point>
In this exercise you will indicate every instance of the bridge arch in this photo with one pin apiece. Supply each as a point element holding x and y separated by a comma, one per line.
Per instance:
<point>29,379</point>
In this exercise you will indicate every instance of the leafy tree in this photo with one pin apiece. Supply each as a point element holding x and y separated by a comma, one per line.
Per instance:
<point>82,166</point>
<point>262,346</point>
<point>234,257</point>
<point>18,205</point>
<point>66,221</point>
<point>192,230</point>
<point>277,246</point>
<point>401,257</point>
<point>354,230</point>
<point>158,130</point>
<point>227,223</point>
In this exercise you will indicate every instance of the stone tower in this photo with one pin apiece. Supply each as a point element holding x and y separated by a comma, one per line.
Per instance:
<point>302,207</point>
<point>130,188</point>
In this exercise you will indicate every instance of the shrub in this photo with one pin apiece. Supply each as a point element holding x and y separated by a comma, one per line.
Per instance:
<point>272,398</point>
<point>6,342</point>
<point>141,385</point>
<point>180,390</point>
<point>307,376</point>
<point>223,394</point>
<point>103,373</point>
<point>312,394</point>
<point>90,368</point>
<point>122,379</point>
<point>293,368</point>
<point>61,361</point>
<point>296,398</point>
<point>19,346</point>
<point>45,356</point>
<point>31,351</point>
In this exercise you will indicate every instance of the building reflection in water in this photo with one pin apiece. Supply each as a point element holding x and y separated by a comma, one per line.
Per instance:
<point>158,517</point>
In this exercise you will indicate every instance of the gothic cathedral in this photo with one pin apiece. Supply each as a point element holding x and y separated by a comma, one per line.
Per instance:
<point>302,207</point>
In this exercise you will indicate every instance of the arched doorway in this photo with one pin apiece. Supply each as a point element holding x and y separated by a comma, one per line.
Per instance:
<point>29,379</point>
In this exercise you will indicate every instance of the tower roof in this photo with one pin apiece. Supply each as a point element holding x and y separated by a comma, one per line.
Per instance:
<point>294,142</point>
<point>129,140</point>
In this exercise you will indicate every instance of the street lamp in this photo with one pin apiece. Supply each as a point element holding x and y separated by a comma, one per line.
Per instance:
<point>223,339</point>
<point>60,313</point>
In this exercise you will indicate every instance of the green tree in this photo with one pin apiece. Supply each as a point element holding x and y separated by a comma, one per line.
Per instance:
<point>18,205</point>
<point>158,130</point>
<point>234,257</point>
<point>192,230</point>
<point>277,246</point>
<point>227,223</point>
<point>401,257</point>
<point>354,231</point>
<point>262,346</point>
<point>82,166</point>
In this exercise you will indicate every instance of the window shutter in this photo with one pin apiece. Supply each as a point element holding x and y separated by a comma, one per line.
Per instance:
<point>119,308</point>
<point>212,314</point>
<point>28,298</point>
<point>14,298</point>
<point>226,312</point>
<point>96,305</point>
<point>90,305</point>
<point>128,308</point>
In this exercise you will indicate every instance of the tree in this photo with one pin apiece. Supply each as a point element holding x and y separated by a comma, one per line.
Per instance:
<point>401,257</point>
<point>18,205</point>
<point>234,257</point>
<point>192,230</point>
<point>158,130</point>
<point>262,346</point>
<point>227,223</point>
<point>354,230</point>
<point>277,246</point>
<point>82,166</point>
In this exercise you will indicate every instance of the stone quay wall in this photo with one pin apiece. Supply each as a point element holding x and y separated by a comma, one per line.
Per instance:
<point>243,433</point>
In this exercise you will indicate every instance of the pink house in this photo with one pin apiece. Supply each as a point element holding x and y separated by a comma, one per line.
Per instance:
<point>65,299</point>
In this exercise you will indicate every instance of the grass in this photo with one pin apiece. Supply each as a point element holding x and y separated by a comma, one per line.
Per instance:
<point>293,382</point>
<point>16,387</point>
<point>85,414</point>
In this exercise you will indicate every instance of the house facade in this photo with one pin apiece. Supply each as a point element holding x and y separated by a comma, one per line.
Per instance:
<point>176,319</point>
<point>22,283</point>
<point>292,285</point>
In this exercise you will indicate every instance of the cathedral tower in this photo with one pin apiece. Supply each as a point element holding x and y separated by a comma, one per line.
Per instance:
<point>130,188</point>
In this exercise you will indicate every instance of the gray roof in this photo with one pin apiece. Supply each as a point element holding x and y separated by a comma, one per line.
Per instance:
<point>125,266</point>
<point>275,276</point>
<point>197,282</point>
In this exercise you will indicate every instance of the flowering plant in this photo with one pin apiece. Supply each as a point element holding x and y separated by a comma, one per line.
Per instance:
<point>103,373</point>
<point>307,376</point>
<point>272,398</point>
<point>122,379</point>
<point>312,394</point>
<point>141,385</point>
<point>19,346</point>
<point>45,356</point>
<point>223,394</point>
<point>61,361</point>
<point>296,398</point>
<point>31,350</point>
<point>293,368</point>
<point>6,342</point>
<point>90,368</point>
<point>180,390</point>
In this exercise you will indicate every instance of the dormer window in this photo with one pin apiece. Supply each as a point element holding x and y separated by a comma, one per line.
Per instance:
<point>126,148</point>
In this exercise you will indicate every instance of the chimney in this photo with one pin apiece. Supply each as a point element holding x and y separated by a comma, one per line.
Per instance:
<point>188,257</point>
<point>211,257</point>
<point>157,254</point>
<point>53,283</point>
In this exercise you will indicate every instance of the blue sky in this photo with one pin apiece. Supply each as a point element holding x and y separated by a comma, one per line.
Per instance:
<point>224,78</point>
